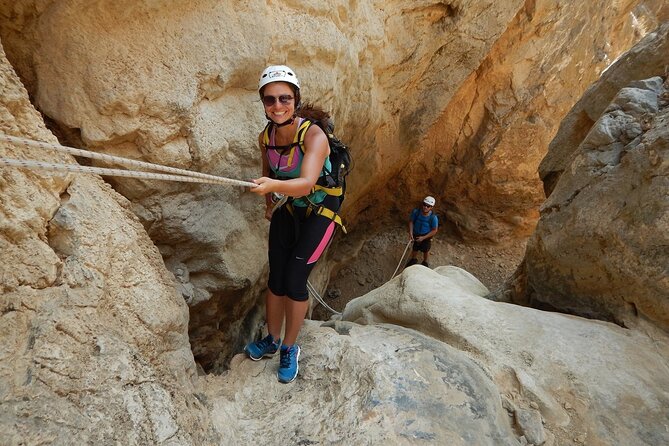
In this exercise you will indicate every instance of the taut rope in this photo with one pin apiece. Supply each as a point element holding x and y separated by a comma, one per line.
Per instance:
<point>175,174</point>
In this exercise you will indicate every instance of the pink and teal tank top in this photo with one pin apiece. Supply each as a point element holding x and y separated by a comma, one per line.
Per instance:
<point>287,164</point>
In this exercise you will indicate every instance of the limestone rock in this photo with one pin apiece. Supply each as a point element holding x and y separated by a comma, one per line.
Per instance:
<point>361,385</point>
<point>600,246</point>
<point>479,152</point>
<point>93,337</point>
<point>613,380</point>
<point>646,59</point>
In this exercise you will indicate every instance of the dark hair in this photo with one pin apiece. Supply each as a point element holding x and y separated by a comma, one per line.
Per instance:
<point>313,112</point>
<point>316,113</point>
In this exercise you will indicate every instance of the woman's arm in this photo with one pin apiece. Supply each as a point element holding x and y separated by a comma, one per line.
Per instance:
<point>316,149</point>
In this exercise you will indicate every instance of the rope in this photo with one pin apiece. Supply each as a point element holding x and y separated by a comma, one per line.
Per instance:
<point>316,296</point>
<point>401,259</point>
<point>182,175</point>
<point>114,172</point>
<point>175,174</point>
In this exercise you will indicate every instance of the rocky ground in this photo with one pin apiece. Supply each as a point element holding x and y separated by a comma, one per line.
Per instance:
<point>380,254</point>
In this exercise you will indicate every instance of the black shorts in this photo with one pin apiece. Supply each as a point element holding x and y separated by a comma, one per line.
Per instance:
<point>296,242</point>
<point>423,246</point>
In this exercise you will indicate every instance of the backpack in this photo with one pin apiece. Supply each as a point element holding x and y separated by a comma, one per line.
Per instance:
<point>340,159</point>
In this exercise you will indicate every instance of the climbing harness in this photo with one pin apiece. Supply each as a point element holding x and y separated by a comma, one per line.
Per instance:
<point>175,174</point>
<point>401,259</point>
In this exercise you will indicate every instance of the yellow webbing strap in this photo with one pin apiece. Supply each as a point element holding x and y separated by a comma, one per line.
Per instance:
<point>299,139</point>
<point>334,191</point>
<point>327,213</point>
<point>320,210</point>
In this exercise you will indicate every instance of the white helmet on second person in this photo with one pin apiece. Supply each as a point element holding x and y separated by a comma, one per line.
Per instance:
<point>278,73</point>
<point>430,201</point>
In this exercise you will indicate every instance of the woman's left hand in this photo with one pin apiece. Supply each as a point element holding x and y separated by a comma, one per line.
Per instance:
<point>264,186</point>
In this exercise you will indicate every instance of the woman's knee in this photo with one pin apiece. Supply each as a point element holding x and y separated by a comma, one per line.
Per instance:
<point>297,290</point>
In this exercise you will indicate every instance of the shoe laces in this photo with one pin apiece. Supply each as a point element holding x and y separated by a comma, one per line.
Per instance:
<point>286,357</point>
<point>265,342</point>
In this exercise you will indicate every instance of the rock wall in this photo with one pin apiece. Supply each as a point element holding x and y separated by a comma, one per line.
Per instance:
<point>600,246</point>
<point>93,336</point>
<point>481,153</point>
<point>454,98</point>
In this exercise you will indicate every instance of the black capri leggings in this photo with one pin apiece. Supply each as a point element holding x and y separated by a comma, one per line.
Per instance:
<point>296,242</point>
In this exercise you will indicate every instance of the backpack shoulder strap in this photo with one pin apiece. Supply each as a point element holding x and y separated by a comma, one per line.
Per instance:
<point>265,134</point>
<point>302,133</point>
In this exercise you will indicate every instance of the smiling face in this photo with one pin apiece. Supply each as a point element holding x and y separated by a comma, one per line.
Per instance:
<point>282,108</point>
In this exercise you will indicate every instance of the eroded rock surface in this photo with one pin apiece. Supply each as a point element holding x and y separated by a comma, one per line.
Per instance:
<point>600,248</point>
<point>464,93</point>
<point>93,335</point>
<point>479,152</point>
<point>590,382</point>
<point>361,385</point>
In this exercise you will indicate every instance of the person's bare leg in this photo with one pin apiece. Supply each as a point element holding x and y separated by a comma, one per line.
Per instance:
<point>426,256</point>
<point>414,257</point>
<point>274,313</point>
<point>295,312</point>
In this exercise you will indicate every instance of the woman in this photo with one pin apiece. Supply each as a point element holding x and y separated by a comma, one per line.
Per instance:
<point>297,236</point>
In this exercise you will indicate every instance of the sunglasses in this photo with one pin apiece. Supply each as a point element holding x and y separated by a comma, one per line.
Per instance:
<point>271,100</point>
<point>425,205</point>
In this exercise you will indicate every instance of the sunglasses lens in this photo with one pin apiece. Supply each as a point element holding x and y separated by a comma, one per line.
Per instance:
<point>271,100</point>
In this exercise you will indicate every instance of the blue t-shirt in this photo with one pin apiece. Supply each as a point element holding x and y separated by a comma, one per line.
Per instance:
<point>422,224</point>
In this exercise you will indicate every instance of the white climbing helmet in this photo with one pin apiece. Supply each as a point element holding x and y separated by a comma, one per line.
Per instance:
<point>278,73</point>
<point>430,201</point>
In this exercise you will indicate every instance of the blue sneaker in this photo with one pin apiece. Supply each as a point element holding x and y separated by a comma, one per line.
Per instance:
<point>264,347</point>
<point>288,365</point>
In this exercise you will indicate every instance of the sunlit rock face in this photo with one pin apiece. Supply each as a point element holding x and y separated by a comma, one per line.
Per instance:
<point>600,246</point>
<point>453,99</point>
<point>93,336</point>
<point>479,152</point>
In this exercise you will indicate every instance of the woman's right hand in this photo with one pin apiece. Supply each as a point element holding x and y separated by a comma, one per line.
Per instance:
<point>264,186</point>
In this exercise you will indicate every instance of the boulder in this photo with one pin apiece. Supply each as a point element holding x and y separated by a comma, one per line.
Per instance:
<point>93,336</point>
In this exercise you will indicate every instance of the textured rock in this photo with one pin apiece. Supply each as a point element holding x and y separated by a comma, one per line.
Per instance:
<point>93,336</point>
<point>599,249</point>
<point>586,378</point>
<point>361,385</point>
<point>480,156</point>
<point>177,86</point>
<point>648,58</point>
<point>600,246</point>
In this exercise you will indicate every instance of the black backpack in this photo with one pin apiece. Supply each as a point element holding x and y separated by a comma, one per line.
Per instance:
<point>340,159</point>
